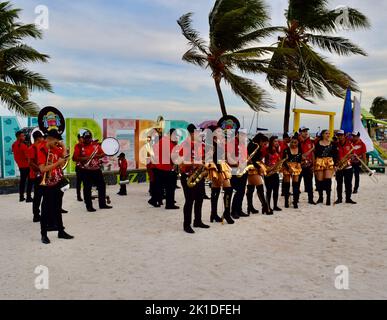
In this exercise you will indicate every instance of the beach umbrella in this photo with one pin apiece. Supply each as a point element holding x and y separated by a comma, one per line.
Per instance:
<point>346,120</point>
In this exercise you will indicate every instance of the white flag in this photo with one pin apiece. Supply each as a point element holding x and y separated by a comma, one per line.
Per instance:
<point>358,126</point>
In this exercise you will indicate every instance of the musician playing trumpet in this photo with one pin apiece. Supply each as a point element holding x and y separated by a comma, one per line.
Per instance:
<point>344,171</point>
<point>51,159</point>
<point>89,154</point>
<point>292,170</point>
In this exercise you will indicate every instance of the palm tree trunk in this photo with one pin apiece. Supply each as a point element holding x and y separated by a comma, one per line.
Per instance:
<point>220,96</point>
<point>287,105</point>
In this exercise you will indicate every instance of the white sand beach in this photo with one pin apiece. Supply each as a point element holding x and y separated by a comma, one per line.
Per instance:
<point>138,252</point>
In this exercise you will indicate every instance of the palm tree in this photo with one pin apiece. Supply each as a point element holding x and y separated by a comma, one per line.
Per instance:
<point>16,81</point>
<point>310,26</point>
<point>379,108</point>
<point>234,28</point>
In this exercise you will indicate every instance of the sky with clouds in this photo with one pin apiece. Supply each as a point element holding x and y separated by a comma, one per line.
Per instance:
<point>122,58</point>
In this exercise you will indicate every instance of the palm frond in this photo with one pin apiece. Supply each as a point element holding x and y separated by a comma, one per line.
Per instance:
<point>185,23</point>
<point>338,45</point>
<point>192,56</point>
<point>13,100</point>
<point>28,79</point>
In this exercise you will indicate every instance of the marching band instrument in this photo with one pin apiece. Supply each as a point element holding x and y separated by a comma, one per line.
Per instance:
<point>198,175</point>
<point>366,169</point>
<point>250,166</point>
<point>305,162</point>
<point>46,175</point>
<point>276,168</point>
<point>343,163</point>
<point>110,147</point>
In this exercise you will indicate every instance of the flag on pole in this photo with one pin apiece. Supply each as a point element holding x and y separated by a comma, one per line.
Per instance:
<point>358,126</point>
<point>347,118</point>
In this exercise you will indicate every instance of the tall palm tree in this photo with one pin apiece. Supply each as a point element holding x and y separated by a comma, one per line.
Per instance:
<point>16,81</point>
<point>379,108</point>
<point>311,26</point>
<point>235,26</point>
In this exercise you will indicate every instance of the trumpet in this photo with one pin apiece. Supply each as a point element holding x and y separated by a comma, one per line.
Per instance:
<point>366,169</point>
<point>92,156</point>
<point>343,163</point>
<point>46,175</point>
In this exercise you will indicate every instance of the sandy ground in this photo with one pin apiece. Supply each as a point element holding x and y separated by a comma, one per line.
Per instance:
<point>139,252</point>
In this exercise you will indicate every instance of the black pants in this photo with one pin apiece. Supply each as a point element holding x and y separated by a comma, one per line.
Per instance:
<point>193,200</point>
<point>79,181</point>
<point>346,177</point>
<point>272,184</point>
<point>24,179</point>
<point>307,175</point>
<point>90,178</point>
<point>38,195</point>
<point>123,186</point>
<point>51,217</point>
<point>239,185</point>
<point>356,172</point>
<point>164,180</point>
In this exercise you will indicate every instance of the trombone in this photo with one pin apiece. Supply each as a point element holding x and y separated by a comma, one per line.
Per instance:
<point>366,169</point>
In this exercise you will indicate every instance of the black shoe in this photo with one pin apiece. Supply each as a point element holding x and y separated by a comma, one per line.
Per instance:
<point>63,211</point>
<point>80,199</point>
<point>172,208</point>
<point>295,205</point>
<point>108,200</point>
<point>29,200</point>
<point>200,225</point>
<point>229,220</point>
<point>64,235</point>
<point>22,199</point>
<point>312,202</point>
<point>269,212</point>
<point>242,214</point>
<point>252,210</point>
<point>287,203</point>
<point>154,204</point>
<point>277,208</point>
<point>350,201</point>
<point>216,218</point>
<point>338,201</point>
<point>91,209</point>
<point>320,200</point>
<point>189,229</point>
<point>235,216</point>
<point>36,218</point>
<point>106,207</point>
<point>355,191</point>
<point>45,240</point>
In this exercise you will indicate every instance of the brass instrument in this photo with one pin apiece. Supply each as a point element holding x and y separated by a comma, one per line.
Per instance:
<point>276,168</point>
<point>240,172</point>
<point>92,156</point>
<point>343,163</point>
<point>46,175</point>
<point>198,175</point>
<point>366,169</point>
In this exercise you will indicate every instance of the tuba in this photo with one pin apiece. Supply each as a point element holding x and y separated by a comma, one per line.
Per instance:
<point>276,168</point>
<point>198,175</point>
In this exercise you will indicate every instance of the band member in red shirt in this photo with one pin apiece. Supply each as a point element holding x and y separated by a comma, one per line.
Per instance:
<point>51,160</point>
<point>284,143</point>
<point>272,182</point>
<point>35,175</point>
<point>78,172</point>
<point>192,152</point>
<point>344,150</point>
<point>307,147</point>
<point>123,165</point>
<point>89,154</point>
<point>164,171</point>
<point>361,152</point>
<point>20,154</point>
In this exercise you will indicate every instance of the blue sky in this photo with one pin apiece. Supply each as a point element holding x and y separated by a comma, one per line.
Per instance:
<point>123,59</point>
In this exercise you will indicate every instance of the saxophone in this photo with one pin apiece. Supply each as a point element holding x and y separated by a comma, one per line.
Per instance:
<point>276,168</point>
<point>198,175</point>
<point>343,163</point>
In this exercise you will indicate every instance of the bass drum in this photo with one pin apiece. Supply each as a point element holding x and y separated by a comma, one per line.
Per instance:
<point>110,147</point>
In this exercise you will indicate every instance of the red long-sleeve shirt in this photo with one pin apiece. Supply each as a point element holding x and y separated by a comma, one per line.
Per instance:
<point>20,153</point>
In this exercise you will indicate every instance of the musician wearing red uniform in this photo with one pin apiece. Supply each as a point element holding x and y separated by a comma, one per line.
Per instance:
<point>50,161</point>
<point>35,175</point>
<point>123,165</point>
<point>307,147</point>
<point>78,172</point>
<point>344,149</point>
<point>165,175</point>
<point>272,182</point>
<point>361,153</point>
<point>192,152</point>
<point>20,154</point>
<point>89,154</point>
